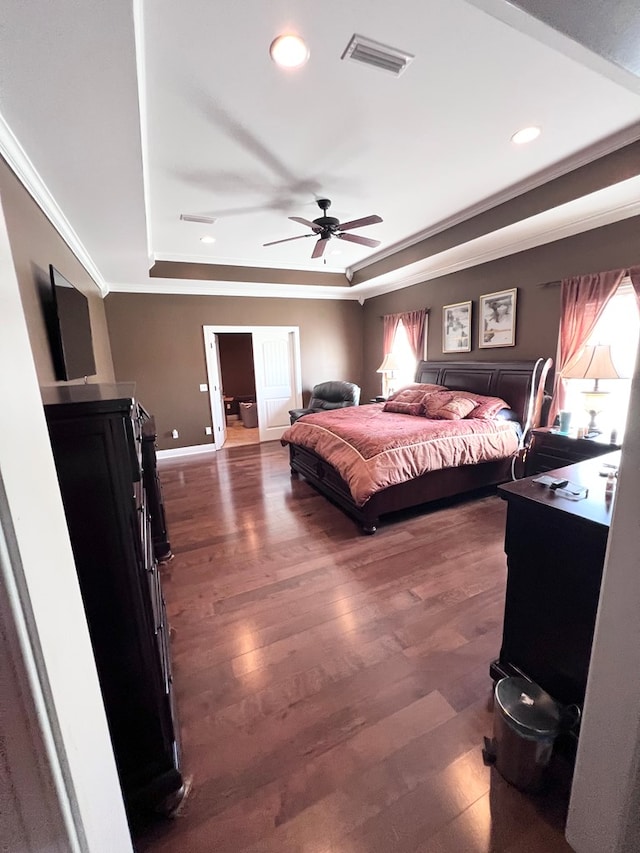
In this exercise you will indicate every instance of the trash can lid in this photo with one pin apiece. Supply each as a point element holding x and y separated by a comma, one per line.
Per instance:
<point>528,708</point>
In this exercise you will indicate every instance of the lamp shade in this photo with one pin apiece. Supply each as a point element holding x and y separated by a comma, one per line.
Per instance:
<point>594,363</point>
<point>389,364</point>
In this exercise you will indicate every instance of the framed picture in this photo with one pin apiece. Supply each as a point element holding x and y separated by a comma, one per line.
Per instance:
<point>456,327</point>
<point>497,319</point>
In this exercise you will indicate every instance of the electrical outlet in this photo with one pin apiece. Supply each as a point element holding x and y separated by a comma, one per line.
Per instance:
<point>207,430</point>
<point>204,387</point>
<point>174,433</point>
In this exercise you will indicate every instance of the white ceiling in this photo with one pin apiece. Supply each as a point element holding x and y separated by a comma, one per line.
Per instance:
<point>129,115</point>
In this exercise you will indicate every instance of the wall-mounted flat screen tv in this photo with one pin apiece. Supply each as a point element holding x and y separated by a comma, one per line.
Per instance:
<point>72,344</point>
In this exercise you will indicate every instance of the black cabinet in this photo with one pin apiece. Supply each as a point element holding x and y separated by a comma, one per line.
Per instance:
<point>550,449</point>
<point>153,489</point>
<point>555,553</point>
<point>96,436</point>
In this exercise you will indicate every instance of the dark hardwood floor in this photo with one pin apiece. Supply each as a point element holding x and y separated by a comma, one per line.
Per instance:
<point>333,688</point>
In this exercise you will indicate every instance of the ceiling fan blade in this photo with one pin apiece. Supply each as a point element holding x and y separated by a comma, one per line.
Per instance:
<point>306,222</point>
<point>364,241</point>
<point>320,246</point>
<point>360,223</point>
<point>288,239</point>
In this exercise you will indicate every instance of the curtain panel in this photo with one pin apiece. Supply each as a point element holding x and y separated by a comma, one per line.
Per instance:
<point>390,323</point>
<point>583,300</point>
<point>414,323</point>
<point>634,275</point>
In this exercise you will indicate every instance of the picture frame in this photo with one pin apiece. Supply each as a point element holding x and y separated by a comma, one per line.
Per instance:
<point>497,319</point>
<point>456,327</point>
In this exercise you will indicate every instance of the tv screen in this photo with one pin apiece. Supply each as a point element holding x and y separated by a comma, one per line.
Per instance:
<point>71,327</point>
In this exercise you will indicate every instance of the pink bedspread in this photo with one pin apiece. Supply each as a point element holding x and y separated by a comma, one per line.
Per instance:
<point>372,449</point>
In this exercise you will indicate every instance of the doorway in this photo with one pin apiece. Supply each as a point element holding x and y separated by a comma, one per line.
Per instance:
<point>262,362</point>
<point>238,381</point>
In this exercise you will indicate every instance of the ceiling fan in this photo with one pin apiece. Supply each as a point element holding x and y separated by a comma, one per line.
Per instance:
<point>325,227</point>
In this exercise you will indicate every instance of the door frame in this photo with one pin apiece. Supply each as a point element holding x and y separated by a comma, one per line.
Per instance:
<point>210,330</point>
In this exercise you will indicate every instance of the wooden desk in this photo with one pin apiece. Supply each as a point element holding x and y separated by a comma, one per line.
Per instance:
<point>555,553</point>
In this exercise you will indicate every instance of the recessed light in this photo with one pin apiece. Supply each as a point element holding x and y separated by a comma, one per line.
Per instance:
<point>527,134</point>
<point>289,51</point>
<point>207,239</point>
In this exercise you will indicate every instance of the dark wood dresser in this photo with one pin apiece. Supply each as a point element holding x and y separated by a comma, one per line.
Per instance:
<point>555,555</point>
<point>96,436</point>
<point>551,449</point>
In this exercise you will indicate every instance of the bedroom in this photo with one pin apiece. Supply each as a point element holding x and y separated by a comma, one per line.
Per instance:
<point>340,337</point>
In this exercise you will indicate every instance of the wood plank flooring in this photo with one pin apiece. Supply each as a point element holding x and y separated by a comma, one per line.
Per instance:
<point>333,688</point>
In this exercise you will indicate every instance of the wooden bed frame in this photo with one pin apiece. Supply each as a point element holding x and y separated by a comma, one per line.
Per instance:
<point>511,381</point>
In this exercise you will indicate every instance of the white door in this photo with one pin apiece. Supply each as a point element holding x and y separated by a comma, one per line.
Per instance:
<point>218,417</point>
<point>275,358</point>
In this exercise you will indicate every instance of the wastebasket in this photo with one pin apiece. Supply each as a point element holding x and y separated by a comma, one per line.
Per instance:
<point>249,415</point>
<point>526,722</point>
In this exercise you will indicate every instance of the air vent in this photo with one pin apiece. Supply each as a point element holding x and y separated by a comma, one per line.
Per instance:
<point>193,217</point>
<point>369,52</point>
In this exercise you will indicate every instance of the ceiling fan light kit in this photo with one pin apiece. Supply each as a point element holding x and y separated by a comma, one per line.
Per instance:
<point>325,227</point>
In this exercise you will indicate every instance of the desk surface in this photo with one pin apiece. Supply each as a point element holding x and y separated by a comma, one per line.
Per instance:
<point>596,507</point>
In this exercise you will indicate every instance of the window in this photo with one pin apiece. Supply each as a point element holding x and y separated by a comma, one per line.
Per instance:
<point>618,326</point>
<point>403,359</point>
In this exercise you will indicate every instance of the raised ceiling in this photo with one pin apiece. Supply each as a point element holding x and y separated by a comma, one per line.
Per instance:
<point>129,115</point>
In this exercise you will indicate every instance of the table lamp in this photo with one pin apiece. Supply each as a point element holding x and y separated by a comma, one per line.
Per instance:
<point>388,368</point>
<point>594,363</point>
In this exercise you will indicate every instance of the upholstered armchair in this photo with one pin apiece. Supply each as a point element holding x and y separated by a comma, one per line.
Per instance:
<point>329,395</point>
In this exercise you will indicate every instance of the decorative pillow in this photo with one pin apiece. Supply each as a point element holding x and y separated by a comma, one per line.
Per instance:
<point>488,408</point>
<point>448,405</point>
<point>414,392</point>
<point>401,408</point>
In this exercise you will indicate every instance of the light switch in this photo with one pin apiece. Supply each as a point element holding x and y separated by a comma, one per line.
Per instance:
<point>204,387</point>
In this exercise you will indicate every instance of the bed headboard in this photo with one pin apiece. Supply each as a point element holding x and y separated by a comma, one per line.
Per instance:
<point>510,380</point>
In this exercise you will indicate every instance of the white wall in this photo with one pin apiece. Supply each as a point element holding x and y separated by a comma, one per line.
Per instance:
<point>69,759</point>
<point>604,814</point>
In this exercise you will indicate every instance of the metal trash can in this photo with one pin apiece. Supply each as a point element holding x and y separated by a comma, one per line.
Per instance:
<point>526,722</point>
<point>249,415</point>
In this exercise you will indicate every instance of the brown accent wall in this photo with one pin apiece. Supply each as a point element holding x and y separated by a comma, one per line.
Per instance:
<point>35,244</point>
<point>157,341</point>
<point>538,306</point>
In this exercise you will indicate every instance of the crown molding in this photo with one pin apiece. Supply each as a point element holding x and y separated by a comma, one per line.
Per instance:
<point>470,254</point>
<point>460,257</point>
<point>190,287</point>
<point>570,164</point>
<point>28,175</point>
<point>185,258</point>
<point>141,82</point>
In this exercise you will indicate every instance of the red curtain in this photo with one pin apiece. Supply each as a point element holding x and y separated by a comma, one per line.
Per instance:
<point>583,301</point>
<point>414,323</point>
<point>634,275</point>
<point>390,323</point>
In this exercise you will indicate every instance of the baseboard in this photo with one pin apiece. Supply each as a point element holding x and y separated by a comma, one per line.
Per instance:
<point>190,450</point>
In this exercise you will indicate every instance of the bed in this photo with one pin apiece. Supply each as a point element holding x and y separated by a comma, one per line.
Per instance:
<point>519,383</point>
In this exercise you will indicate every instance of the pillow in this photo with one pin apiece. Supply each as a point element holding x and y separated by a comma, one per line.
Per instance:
<point>401,408</point>
<point>508,415</point>
<point>417,389</point>
<point>448,405</point>
<point>486,407</point>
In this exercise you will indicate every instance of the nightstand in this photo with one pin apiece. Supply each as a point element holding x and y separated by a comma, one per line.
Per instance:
<point>551,449</point>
